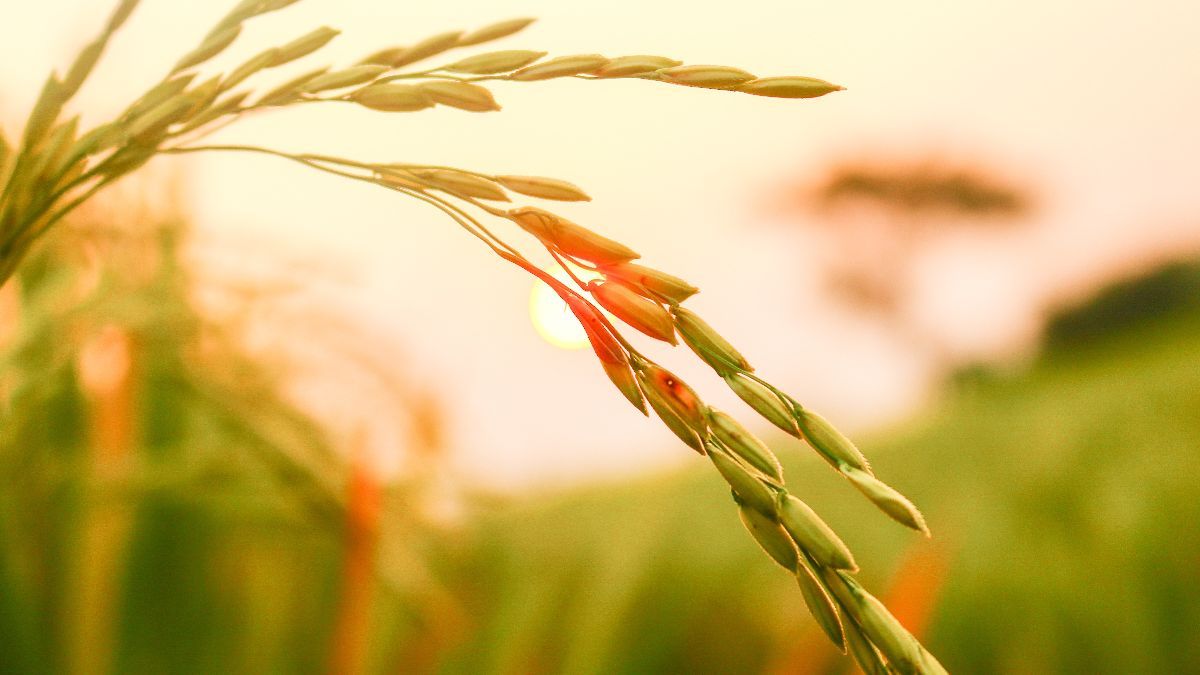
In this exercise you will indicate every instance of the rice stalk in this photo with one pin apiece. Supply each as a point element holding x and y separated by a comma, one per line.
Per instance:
<point>54,169</point>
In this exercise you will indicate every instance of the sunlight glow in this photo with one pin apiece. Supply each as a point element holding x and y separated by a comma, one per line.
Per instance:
<point>551,317</point>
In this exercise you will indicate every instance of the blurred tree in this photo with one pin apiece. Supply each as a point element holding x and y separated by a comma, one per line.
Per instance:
<point>881,215</point>
<point>1126,305</point>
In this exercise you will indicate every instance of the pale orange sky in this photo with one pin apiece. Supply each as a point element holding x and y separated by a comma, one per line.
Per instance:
<point>1093,103</point>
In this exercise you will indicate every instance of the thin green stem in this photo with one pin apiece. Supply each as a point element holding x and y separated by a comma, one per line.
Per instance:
<point>483,228</point>
<point>311,160</point>
<point>566,268</point>
<point>456,215</point>
<point>314,162</point>
<point>398,165</point>
<point>460,217</point>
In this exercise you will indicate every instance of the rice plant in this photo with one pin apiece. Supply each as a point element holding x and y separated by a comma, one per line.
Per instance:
<point>56,167</point>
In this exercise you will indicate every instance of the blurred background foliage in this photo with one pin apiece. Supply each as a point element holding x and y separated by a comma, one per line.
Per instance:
<point>166,507</point>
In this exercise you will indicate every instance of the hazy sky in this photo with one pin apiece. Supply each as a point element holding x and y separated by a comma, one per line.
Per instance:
<point>1093,104</point>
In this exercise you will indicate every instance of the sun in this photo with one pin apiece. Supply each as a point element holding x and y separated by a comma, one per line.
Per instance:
<point>551,317</point>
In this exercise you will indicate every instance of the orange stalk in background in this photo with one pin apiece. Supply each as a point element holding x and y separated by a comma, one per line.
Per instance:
<point>912,598</point>
<point>917,585</point>
<point>106,368</point>
<point>351,632</point>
